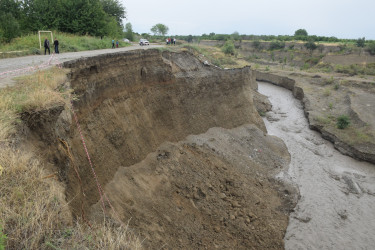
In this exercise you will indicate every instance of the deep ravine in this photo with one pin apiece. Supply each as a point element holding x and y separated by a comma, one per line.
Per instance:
<point>336,208</point>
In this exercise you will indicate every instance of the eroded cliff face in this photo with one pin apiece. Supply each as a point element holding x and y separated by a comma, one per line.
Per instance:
<point>135,110</point>
<point>129,103</point>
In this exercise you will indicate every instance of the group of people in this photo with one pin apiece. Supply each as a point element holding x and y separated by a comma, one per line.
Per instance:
<point>170,41</point>
<point>113,43</point>
<point>47,46</point>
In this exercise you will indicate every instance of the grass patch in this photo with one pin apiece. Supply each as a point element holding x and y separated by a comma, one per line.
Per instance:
<point>29,44</point>
<point>327,92</point>
<point>343,121</point>
<point>322,120</point>
<point>41,90</point>
<point>35,215</point>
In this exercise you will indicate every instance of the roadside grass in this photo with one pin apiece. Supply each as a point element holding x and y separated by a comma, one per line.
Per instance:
<point>35,215</point>
<point>29,44</point>
<point>41,90</point>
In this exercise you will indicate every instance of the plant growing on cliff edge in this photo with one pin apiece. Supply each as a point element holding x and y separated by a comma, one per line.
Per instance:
<point>3,239</point>
<point>343,121</point>
<point>228,47</point>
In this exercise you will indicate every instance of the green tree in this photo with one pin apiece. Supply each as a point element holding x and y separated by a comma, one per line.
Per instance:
<point>300,32</point>
<point>129,32</point>
<point>115,9</point>
<point>311,45</point>
<point>88,17</point>
<point>228,47</point>
<point>371,48</point>
<point>361,42</point>
<point>159,29</point>
<point>189,38</point>
<point>236,36</point>
<point>9,27</point>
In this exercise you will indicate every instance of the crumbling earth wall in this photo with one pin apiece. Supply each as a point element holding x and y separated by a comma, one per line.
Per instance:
<point>135,111</point>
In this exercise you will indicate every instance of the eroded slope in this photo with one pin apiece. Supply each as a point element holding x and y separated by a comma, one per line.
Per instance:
<point>134,109</point>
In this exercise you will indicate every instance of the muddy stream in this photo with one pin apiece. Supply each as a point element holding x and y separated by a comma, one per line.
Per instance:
<point>337,205</point>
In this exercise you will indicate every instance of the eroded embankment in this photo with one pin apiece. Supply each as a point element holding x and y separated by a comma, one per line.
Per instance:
<point>214,189</point>
<point>362,151</point>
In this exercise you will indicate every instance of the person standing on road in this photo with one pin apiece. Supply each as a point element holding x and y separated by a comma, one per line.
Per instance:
<point>56,44</point>
<point>117,43</point>
<point>46,46</point>
<point>113,43</point>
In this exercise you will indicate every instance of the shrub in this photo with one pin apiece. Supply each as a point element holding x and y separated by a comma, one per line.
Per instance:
<point>371,48</point>
<point>3,239</point>
<point>313,60</point>
<point>9,27</point>
<point>311,45</point>
<point>327,92</point>
<point>329,80</point>
<point>305,66</point>
<point>277,45</point>
<point>361,42</point>
<point>257,45</point>
<point>343,121</point>
<point>228,47</point>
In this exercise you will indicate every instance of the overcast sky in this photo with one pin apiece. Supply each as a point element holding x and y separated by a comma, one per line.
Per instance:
<point>340,18</point>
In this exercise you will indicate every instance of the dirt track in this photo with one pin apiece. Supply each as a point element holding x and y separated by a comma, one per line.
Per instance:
<point>19,63</point>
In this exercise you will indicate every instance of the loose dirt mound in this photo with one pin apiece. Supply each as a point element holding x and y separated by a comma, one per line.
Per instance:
<point>213,190</point>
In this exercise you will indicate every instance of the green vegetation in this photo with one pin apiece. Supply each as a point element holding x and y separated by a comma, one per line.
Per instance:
<point>343,121</point>
<point>94,17</point>
<point>3,239</point>
<point>29,44</point>
<point>129,34</point>
<point>371,48</point>
<point>274,45</point>
<point>159,29</point>
<point>361,42</point>
<point>329,81</point>
<point>228,48</point>
<point>327,92</point>
<point>311,45</point>
<point>300,32</point>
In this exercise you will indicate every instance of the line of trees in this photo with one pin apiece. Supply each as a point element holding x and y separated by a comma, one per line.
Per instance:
<point>92,17</point>
<point>300,34</point>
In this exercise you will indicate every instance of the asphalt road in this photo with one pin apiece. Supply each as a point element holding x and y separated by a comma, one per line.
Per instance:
<point>12,67</point>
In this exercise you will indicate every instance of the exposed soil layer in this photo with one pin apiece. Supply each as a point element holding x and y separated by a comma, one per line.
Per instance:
<point>135,110</point>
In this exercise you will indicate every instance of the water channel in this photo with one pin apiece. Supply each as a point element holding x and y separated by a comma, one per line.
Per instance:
<point>337,205</point>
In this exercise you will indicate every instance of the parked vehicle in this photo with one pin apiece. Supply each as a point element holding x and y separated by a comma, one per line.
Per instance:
<point>143,42</point>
